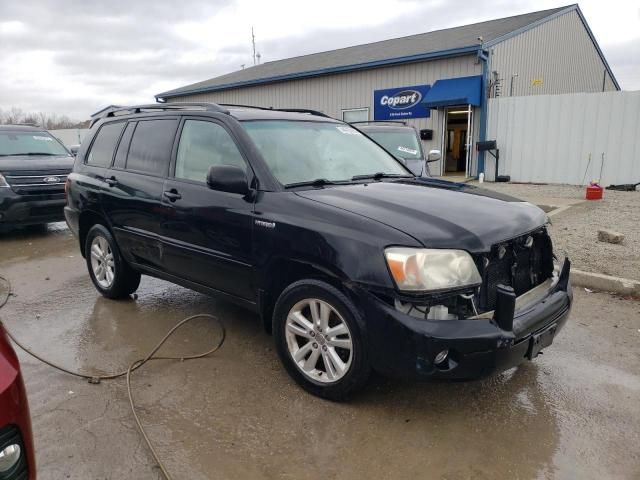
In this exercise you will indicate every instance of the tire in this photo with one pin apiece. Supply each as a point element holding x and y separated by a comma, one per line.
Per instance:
<point>123,280</point>
<point>324,366</point>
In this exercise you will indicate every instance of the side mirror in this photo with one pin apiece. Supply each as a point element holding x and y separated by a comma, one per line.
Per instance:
<point>434,156</point>
<point>228,178</point>
<point>74,149</point>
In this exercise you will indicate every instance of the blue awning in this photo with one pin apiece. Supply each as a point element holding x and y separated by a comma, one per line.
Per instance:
<point>454,91</point>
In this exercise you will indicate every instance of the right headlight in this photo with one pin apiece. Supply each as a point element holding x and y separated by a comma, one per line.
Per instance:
<point>423,270</point>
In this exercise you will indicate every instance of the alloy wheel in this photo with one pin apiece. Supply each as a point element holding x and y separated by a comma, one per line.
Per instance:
<point>319,340</point>
<point>102,262</point>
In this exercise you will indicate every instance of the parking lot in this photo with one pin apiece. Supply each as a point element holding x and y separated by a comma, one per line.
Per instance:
<point>573,413</point>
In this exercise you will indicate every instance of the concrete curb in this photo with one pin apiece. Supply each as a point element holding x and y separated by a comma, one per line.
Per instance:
<point>606,283</point>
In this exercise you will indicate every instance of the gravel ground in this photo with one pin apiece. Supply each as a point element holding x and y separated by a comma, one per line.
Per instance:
<point>575,230</point>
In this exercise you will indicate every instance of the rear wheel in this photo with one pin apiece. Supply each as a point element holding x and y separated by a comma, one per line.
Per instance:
<point>319,340</point>
<point>110,274</point>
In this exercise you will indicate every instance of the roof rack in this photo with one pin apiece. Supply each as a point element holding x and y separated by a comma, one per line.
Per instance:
<point>116,111</point>
<point>402,122</point>
<point>292,110</point>
<point>304,110</point>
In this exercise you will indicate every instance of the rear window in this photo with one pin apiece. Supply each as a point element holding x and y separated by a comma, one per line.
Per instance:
<point>103,146</point>
<point>150,149</point>
<point>29,143</point>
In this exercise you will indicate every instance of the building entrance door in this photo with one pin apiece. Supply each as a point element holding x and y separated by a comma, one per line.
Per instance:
<point>457,141</point>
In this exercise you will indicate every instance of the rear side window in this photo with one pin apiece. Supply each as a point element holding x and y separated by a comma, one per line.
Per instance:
<point>103,146</point>
<point>123,147</point>
<point>203,144</point>
<point>150,148</point>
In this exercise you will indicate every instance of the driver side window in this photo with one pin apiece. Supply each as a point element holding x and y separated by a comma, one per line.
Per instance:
<point>203,144</point>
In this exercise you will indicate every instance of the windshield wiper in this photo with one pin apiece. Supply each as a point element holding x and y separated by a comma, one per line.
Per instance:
<point>380,176</point>
<point>318,182</point>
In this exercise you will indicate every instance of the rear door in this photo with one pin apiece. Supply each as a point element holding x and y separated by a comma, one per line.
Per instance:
<point>207,233</point>
<point>132,199</point>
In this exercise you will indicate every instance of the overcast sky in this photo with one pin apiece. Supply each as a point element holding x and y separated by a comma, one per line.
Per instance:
<point>74,56</point>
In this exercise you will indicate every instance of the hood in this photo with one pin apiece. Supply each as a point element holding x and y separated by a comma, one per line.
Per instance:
<point>27,163</point>
<point>436,213</point>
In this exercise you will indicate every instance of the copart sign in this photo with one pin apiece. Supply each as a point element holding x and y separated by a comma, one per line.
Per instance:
<point>400,103</point>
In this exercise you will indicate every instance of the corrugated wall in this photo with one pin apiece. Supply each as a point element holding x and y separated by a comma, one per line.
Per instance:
<point>70,136</point>
<point>555,57</point>
<point>548,138</point>
<point>332,93</point>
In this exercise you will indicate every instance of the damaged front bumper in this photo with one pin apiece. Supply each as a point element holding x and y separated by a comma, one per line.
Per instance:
<point>518,329</point>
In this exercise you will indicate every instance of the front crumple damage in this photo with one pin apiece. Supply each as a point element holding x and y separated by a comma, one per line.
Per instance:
<point>403,345</point>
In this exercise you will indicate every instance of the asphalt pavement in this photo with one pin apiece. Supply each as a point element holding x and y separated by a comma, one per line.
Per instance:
<point>574,412</point>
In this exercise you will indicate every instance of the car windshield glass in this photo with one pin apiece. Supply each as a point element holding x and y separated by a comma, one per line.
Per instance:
<point>403,144</point>
<point>298,151</point>
<point>29,143</point>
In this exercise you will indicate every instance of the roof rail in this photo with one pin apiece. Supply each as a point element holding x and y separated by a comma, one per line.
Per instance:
<point>379,121</point>
<point>116,111</point>
<point>304,110</point>
<point>292,110</point>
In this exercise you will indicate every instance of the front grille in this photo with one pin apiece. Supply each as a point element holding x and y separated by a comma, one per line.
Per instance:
<point>37,182</point>
<point>515,264</point>
<point>10,435</point>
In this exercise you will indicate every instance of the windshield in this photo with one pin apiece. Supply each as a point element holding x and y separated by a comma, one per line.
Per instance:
<point>401,143</point>
<point>29,143</point>
<point>297,151</point>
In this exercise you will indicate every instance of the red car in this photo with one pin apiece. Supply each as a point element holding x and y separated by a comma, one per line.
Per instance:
<point>17,459</point>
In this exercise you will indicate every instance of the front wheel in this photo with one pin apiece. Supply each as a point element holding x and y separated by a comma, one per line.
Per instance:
<point>110,274</point>
<point>319,340</point>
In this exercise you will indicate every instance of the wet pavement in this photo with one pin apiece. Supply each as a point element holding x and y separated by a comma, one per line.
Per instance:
<point>572,413</point>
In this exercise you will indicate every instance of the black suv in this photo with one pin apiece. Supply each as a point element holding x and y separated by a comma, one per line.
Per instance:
<point>33,170</point>
<point>352,262</point>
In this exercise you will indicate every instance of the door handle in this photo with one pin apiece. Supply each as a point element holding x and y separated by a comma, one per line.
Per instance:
<point>172,195</point>
<point>111,181</point>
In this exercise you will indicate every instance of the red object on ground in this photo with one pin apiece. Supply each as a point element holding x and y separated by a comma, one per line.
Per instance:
<point>15,421</point>
<point>594,192</point>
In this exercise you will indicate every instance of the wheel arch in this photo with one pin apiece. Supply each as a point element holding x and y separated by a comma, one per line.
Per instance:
<point>88,219</point>
<point>288,271</point>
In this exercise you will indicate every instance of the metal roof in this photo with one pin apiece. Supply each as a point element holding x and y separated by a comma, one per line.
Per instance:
<point>437,44</point>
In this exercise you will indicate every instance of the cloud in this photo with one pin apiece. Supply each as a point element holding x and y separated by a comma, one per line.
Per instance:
<point>624,59</point>
<point>75,56</point>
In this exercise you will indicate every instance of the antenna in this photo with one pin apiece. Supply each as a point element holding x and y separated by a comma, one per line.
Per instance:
<point>258,57</point>
<point>253,43</point>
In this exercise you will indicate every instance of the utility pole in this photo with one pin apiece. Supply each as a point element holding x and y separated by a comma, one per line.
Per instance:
<point>253,43</point>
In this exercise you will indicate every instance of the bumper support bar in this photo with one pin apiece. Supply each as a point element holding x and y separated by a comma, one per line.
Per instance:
<point>505,307</point>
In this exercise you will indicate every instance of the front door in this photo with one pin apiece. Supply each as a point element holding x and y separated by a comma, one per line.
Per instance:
<point>207,234</point>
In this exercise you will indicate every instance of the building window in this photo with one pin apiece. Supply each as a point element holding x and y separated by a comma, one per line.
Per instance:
<point>355,115</point>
